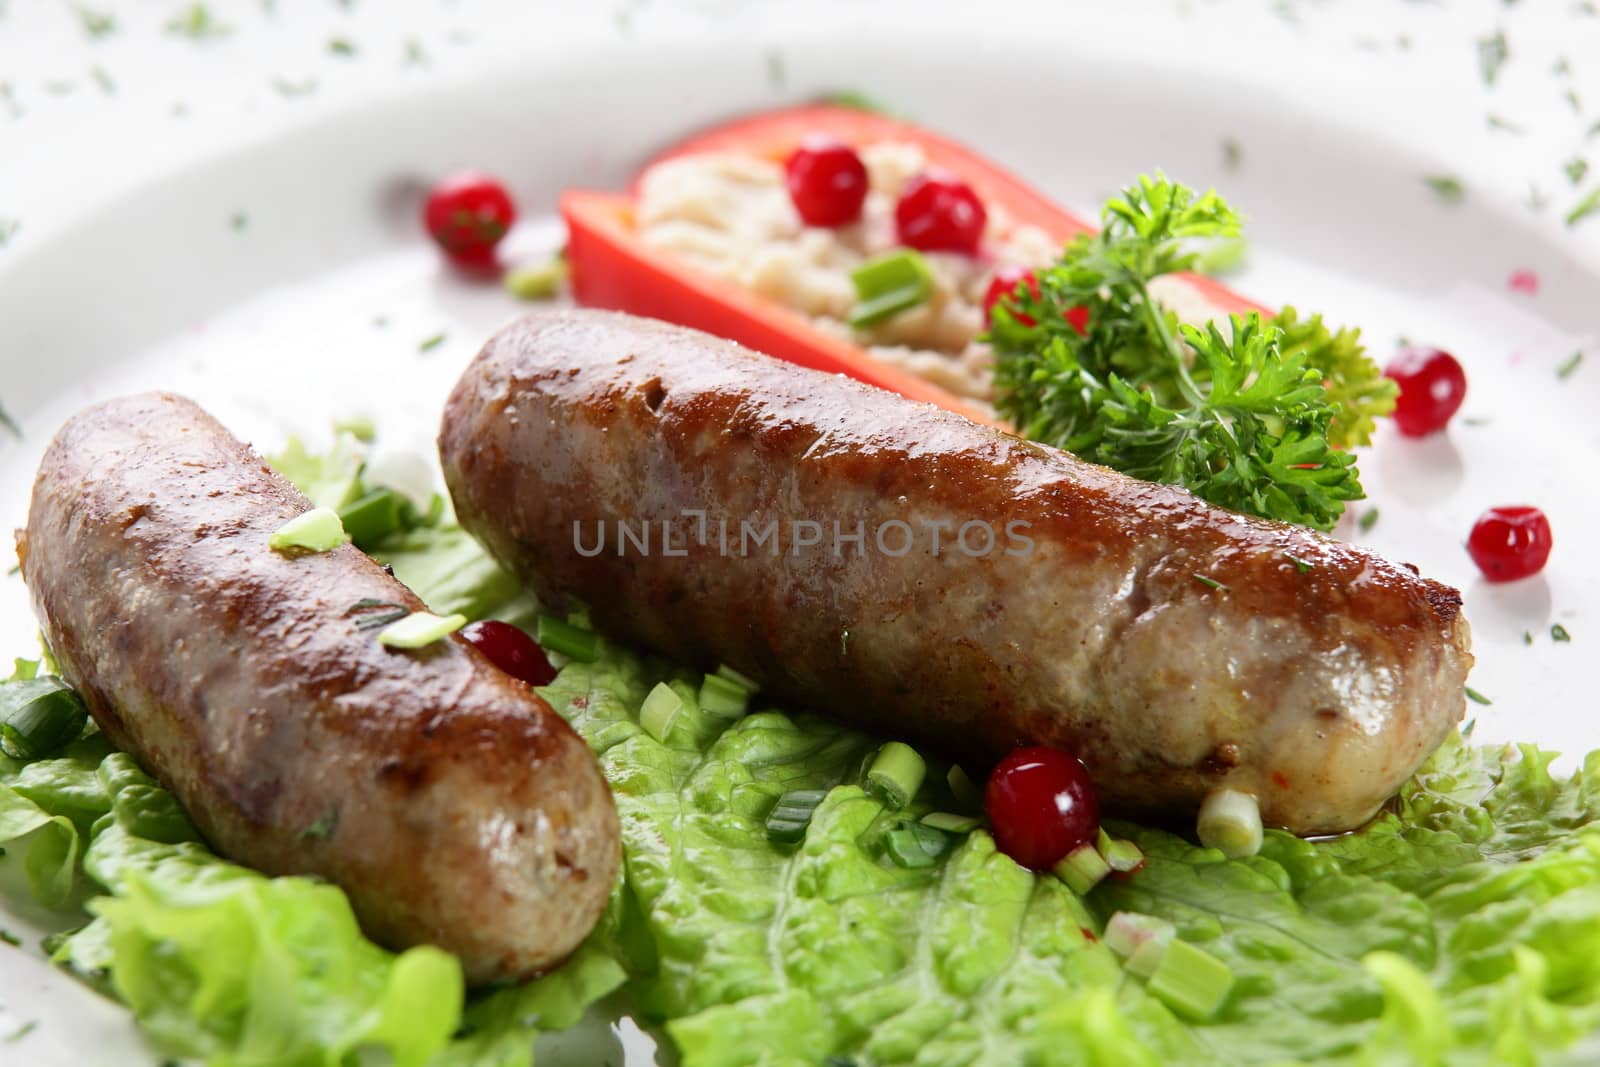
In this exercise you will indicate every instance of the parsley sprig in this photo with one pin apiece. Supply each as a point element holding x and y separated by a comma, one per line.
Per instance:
<point>1249,415</point>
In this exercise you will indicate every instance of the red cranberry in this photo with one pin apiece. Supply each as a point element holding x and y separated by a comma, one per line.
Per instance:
<point>939,212</point>
<point>1432,386</point>
<point>1510,543</point>
<point>467,214</point>
<point>1042,806</point>
<point>511,649</point>
<point>827,181</point>
<point>1004,286</point>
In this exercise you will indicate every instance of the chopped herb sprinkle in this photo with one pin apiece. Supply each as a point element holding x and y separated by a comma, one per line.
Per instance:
<point>1493,51</point>
<point>1212,583</point>
<point>1301,566</point>
<point>1369,519</point>
<point>22,1031</point>
<point>430,343</point>
<point>1585,207</point>
<point>10,938</point>
<point>1477,697</point>
<point>341,46</point>
<point>1232,154</point>
<point>96,23</point>
<point>1527,637</point>
<point>1569,365</point>
<point>197,23</point>
<point>371,614</point>
<point>1576,168</point>
<point>323,828</point>
<point>1447,187</point>
<point>1559,632</point>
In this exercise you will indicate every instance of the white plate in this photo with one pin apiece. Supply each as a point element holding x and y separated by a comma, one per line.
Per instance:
<point>317,309</point>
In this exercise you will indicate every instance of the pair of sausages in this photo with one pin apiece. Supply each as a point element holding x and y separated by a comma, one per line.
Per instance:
<point>456,808</point>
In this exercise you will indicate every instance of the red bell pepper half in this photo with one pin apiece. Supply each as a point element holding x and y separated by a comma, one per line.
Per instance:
<point>612,267</point>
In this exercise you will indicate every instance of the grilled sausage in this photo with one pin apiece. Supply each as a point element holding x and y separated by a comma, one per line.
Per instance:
<point>446,798</point>
<point>1313,674</point>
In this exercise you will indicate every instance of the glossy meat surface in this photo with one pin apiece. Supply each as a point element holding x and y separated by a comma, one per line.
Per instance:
<point>450,802</point>
<point>1317,677</point>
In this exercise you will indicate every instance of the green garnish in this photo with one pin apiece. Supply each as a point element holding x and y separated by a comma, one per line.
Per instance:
<point>1493,52</point>
<point>341,46</point>
<point>22,1031</point>
<point>574,642</point>
<point>1477,697</point>
<point>323,828</point>
<point>743,681</point>
<point>1128,931</point>
<point>238,221</point>
<point>859,101</point>
<point>1368,520</point>
<point>291,89</point>
<point>1245,419</point>
<point>197,23</point>
<point>896,774</point>
<point>660,711</point>
<point>1576,168</point>
<point>10,938</point>
<point>428,344</point>
<point>1527,637</point>
<point>1585,207</point>
<point>1500,122</point>
<point>1121,856</point>
<point>374,516</point>
<point>1191,981</point>
<point>96,23</point>
<point>419,629</point>
<point>1301,566</point>
<point>787,821</point>
<point>1232,154</point>
<point>1569,365</point>
<point>1083,869</point>
<point>915,845</point>
<point>1230,821</point>
<point>723,697</point>
<point>963,788</point>
<point>361,427</point>
<point>39,716</point>
<point>1447,187</point>
<point>541,281</point>
<point>1559,632</point>
<point>888,285</point>
<point>10,424</point>
<point>8,229</point>
<point>371,614</point>
<point>951,823</point>
<point>1212,583</point>
<point>317,530</point>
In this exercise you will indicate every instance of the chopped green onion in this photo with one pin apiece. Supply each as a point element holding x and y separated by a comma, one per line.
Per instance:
<point>1083,869</point>
<point>1128,931</point>
<point>318,530</point>
<point>723,698</point>
<point>1559,632</point>
<point>896,774</point>
<point>743,681</point>
<point>951,823</point>
<point>906,848</point>
<point>39,716</point>
<point>361,427</point>
<point>419,629</point>
<point>660,710</point>
<point>541,281</point>
<point>371,614</point>
<point>573,642</point>
<point>888,285</point>
<point>965,792</point>
<point>1230,821</point>
<point>1191,981</point>
<point>1147,958</point>
<point>371,518</point>
<point>1477,697</point>
<point>1369,519</point>
<point>787,822</point>
<point>1121,856</point>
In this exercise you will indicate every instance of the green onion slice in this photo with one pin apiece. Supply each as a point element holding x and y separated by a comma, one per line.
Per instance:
<point>1083,869</point>
<point>723,698</point>
<point>743,681</point>
<point>1121,856</point>
<point>951,823</point>
<point>370,518</point>
<point>888,285</point>
<point>1231,822</point>
<point>538,281</point>
<point>317,530</point>
<point>787,822</point>
<point>1191,981</point>
<point>39,716</point>
<point>896,774</point>
<point>660,710</point>
<point>419,629</point>
<point>915,845</point>
<point>573,642</point>
<point>966,793</point>
<point>1129,931</point>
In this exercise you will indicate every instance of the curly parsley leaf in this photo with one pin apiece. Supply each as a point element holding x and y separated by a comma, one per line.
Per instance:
<point>1249,419</point>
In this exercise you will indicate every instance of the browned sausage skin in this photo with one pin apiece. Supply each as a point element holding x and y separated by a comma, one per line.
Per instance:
<point>1317,677</point>
<point>448,800</point>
